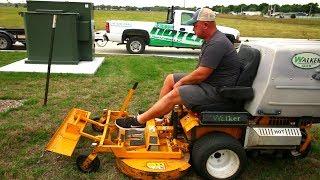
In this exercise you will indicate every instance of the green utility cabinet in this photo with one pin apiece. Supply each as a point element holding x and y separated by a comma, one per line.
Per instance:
<point>74,34</point>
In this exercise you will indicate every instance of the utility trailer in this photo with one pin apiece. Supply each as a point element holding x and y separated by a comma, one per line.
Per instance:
<point>9,36</point>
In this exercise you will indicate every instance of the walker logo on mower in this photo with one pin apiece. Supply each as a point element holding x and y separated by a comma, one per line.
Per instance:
<point>156,165</point>
<point>306,60</point>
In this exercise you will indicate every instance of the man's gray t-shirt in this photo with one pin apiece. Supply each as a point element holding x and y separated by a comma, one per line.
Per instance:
<point>220,55</point>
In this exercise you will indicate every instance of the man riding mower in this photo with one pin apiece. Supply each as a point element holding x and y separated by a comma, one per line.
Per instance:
<point>271,106</point>
<point>272,109</point>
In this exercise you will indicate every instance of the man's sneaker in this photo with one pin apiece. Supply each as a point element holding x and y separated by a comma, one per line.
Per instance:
<point>129,122</point>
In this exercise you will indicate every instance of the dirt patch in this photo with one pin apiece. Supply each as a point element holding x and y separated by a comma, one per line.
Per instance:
<point>5,105</point>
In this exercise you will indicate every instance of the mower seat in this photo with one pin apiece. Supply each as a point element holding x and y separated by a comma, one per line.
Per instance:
<point>234,97</point>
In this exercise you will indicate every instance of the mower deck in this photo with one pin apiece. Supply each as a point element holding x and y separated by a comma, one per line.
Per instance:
<point>154,168</point>
<point>152,152</point>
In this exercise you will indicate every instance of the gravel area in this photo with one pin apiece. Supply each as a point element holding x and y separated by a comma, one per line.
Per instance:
<point>5,105</point>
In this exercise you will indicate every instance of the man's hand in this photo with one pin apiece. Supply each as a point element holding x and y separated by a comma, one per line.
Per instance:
<point>195,77</point>
<point>177,84</point>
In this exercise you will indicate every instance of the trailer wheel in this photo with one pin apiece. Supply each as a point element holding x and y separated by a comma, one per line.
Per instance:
<point>5,42</point>
<point>218,156</point>
<point>136,45</point>
<point>93,167</point>
<point>101,43</point>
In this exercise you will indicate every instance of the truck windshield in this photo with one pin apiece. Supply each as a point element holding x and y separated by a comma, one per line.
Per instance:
<point>170,17</point>
<point>185,17</point>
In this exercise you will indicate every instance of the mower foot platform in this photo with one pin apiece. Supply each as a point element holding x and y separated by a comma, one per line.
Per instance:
<point>67,136</point>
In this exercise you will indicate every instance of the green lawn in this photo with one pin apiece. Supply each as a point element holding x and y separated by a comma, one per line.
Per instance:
<point>25,131</point>
<point>248,26</point>
<point>264,27</point>
<point>10,18</point>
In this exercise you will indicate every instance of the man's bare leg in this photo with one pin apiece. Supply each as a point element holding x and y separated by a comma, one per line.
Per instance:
<point>167,86</point>
<point>162,106</point>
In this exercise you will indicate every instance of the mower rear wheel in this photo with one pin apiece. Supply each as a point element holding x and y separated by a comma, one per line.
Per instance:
<point>95,127</point>
<point>218,156</point>
<point>93,167</point>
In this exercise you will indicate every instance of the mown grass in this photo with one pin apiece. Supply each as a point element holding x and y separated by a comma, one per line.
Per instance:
<point>248,26</point>
<point>10,18</point>
<point>25,131</point>
<point>271,27</point>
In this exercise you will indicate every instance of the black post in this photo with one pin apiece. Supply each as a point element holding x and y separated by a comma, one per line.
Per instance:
<point>54,21</point>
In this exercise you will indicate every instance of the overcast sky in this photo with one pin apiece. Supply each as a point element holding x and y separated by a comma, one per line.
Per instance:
<point>182,3</point>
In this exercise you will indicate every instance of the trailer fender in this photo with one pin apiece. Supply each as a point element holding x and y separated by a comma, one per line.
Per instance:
<point>12,38</point>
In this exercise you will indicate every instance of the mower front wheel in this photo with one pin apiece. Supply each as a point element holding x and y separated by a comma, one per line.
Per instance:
<point>92,167</point>
<point>218,156</point>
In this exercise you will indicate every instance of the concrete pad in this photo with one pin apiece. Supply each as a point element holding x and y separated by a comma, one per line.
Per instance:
<point>84,67</point>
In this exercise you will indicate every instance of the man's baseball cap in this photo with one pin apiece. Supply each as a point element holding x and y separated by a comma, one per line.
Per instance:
<point>203,14</point>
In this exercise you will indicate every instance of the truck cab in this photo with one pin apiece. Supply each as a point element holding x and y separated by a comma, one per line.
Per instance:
<point>181,18</point>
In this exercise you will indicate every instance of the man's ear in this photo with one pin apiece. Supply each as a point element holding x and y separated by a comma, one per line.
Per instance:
<point>206,25</point>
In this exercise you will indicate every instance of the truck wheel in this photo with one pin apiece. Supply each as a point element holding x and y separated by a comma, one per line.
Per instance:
<point>5,42</point>
<point>136,45</point>
<point>218,156</point>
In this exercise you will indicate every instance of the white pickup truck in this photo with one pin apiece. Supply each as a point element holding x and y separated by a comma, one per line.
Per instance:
<point>173,33</point>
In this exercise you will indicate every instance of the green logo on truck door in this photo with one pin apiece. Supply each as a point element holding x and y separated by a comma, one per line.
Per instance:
<point>306,60</point>
<point>162,35</point>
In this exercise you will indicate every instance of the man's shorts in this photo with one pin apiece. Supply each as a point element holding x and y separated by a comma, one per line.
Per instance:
<point>197,94</point>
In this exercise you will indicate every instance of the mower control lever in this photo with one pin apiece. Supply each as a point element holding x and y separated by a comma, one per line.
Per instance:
<point>135,86</point>
<point>127,99</point>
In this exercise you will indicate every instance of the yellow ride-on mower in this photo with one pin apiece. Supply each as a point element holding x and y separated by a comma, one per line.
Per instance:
<point>272,108</point>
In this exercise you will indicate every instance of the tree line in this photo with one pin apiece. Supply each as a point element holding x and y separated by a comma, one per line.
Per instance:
<point>310,8</point>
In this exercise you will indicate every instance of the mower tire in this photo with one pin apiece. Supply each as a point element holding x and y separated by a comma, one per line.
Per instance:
<point>218,156</point>
<point>93,167</point>
<point>136,45</point>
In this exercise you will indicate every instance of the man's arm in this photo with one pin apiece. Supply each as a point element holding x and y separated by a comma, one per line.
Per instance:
<point>195,77</point>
